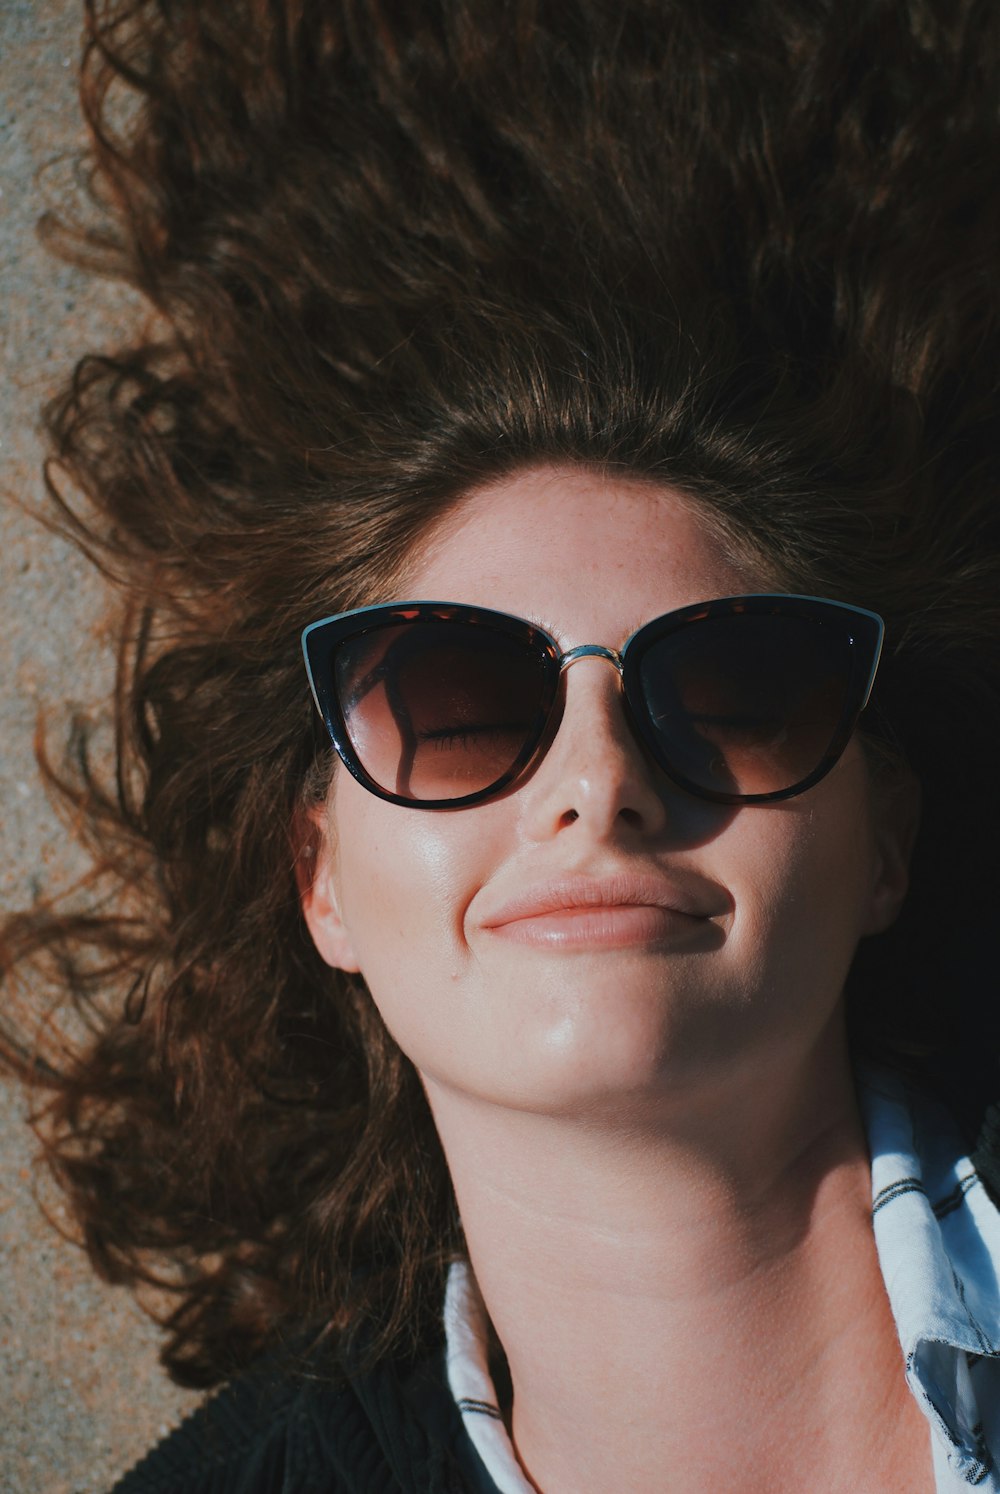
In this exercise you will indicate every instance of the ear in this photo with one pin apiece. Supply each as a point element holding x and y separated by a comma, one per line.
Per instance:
<point>896,820</point>
<point>315,873</point>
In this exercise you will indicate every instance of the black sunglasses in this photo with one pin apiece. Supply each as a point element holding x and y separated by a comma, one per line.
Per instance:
<point>743,700</point>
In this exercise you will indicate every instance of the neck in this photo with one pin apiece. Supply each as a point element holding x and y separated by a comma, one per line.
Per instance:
<point>694,1286</point>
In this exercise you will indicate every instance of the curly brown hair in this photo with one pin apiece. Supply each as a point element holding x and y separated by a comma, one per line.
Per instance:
<point>391,251</point>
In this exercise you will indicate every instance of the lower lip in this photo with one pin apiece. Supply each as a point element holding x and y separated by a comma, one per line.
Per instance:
<point>616,927</point>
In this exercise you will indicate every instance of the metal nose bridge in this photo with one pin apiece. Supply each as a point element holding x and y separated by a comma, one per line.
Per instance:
<point>590,651</point>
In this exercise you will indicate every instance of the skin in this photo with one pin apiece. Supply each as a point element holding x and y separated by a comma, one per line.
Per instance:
<point>650,1120</point>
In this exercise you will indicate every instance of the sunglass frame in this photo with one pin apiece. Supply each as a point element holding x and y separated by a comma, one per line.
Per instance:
<point>321,639</point>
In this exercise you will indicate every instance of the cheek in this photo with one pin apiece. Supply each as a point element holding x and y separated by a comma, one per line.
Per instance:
<point>809,885</point>
<point>404,879</point>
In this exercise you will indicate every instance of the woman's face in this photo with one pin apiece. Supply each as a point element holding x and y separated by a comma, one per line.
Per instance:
<point>694,937</point>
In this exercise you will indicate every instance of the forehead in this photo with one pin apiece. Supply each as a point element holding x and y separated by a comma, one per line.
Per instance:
<point>587,555</point>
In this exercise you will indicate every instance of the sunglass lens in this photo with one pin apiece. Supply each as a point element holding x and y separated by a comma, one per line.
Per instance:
<point>440,710</point>
<point>747,704</point>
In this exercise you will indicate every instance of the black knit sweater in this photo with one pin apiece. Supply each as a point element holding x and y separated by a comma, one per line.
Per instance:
<point>281,1429</point>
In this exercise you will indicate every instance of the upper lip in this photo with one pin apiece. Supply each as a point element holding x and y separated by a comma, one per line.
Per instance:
<point>687,892</point>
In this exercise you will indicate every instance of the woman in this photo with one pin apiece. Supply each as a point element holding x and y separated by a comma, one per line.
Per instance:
<point>571,964</point>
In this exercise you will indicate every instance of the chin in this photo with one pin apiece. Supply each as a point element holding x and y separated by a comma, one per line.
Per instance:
<point>601,1057</point>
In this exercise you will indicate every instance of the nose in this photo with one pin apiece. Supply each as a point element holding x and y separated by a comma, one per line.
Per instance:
<point>595,775</point>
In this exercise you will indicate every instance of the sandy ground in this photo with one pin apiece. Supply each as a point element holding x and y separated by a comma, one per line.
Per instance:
<point>82,1393</point>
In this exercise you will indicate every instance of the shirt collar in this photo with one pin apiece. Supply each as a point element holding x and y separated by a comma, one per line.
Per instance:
<point>938,1240</point>
<point>470,1381</point>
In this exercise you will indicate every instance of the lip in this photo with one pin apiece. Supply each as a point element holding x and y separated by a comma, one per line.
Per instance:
<point>608,911</point>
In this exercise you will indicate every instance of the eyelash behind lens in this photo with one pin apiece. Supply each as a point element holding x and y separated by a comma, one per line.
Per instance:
<point>464,736</point>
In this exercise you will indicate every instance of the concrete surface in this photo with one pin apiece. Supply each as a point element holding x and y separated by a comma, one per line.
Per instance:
<point>81,1393</point>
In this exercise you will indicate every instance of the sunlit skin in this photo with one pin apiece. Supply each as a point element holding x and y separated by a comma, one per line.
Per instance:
<point>644,1094</point>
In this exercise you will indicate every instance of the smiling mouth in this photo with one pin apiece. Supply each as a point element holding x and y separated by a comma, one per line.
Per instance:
<point>611,926</point>
<point>610,912</point>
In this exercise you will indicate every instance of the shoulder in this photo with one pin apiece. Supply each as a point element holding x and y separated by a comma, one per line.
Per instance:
<point>303,1426</point>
